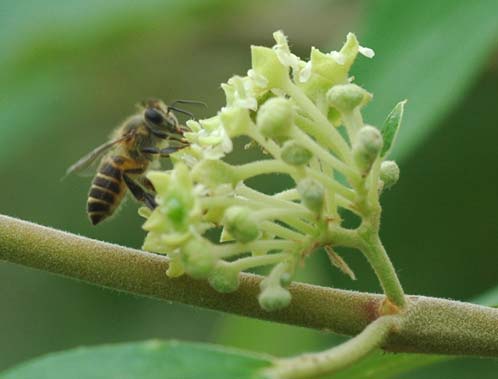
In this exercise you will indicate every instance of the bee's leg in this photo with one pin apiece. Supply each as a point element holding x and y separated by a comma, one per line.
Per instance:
<point>169,150</point>
<point>139,193</point>
<point>163,152</point>
<point>150,150</point>
<point>147,184</point>
<point>160,134</point>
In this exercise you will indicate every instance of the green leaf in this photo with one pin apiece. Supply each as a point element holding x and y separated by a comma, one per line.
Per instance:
<point>390,128</point>
<point>144,360</point>
<point>429,52</point>
<point>387,365</point>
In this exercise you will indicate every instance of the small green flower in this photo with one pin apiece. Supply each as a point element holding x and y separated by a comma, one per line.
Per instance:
<point>295,154</point>
<point>212,138</point>
<point>273,298</point>
<point>347,97</point>
<point>312,194</point>
<point>275,118</point>
<point>224,278</point>
<point>389,173</point>
<point>198,257</point>
<point>241,224</point>
<point>367,148</point>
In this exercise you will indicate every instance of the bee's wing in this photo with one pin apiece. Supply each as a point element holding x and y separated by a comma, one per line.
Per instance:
<point>81,167</point>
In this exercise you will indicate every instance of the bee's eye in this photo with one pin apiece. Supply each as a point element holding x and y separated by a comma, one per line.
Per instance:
<point>154,116</point>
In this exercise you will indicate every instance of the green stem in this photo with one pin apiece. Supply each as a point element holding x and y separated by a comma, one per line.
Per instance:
<point>282,231</point>
<point>269,201</point>
<point>309,366</point>
<point>373,249</point>
<point>289,195</point>
<point>272,166</point>
<point>300,225</point>
<point>267,144</point>
<point>339,146</point>
<point>373,191</point>
<point>280,213</point>
<point>331,184</point>
<point>323,137</point>
<point>260,260</point>
<point>265,166</point>
<point>353,123</point>
<point>230,249</point>
<point>323,154</point>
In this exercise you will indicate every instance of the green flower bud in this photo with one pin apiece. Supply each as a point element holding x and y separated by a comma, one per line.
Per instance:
<point>224,278</point>
<point>198,258</point>
<point>241,224</point>
<point>295,154</point>
<point>213,172</point>
<point>275,118</point>
<point>235,120</point>
<point>346,97</point>
<point>389,173</point>
<point>312,194</point>
<point>273,298</point>
<point>265,62</point>
<point>366,148</point>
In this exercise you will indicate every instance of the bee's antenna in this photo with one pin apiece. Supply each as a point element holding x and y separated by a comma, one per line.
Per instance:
<point>182,111</point>
<point>188,102</point>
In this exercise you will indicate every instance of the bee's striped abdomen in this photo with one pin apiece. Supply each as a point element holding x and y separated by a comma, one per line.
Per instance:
<point>107,190</point>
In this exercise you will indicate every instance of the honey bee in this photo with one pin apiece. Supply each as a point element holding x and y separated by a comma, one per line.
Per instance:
<point>142,139</point>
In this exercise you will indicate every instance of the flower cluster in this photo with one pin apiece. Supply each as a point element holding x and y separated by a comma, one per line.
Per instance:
<point>306,115</point>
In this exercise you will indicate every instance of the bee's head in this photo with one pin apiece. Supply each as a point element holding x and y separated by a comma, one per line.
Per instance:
<point>159,117</point>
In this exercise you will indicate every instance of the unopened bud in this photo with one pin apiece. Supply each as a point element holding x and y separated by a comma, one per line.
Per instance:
<point>295,154</point>
<point>198,258</point>
<point>273,298</point>
<point>389,173</point>
<point>366,148</point>
<point>346,97</point>
<point>224,278</point>
<point>312,194</point>
<point>241,224</point>
<point>275,118</point>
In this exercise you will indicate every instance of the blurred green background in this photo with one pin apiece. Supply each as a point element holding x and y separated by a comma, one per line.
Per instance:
<point>70,71</point>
